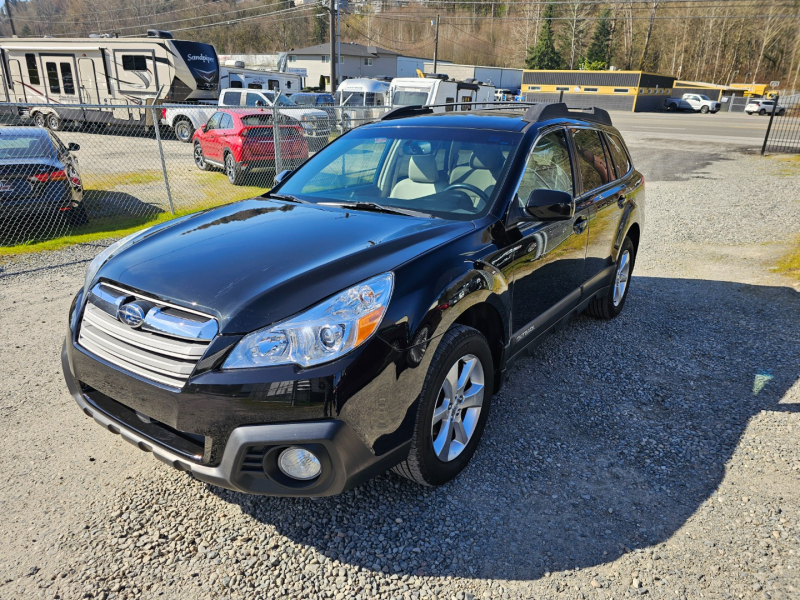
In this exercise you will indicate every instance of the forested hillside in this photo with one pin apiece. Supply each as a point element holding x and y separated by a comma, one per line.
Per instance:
<point>709,40</point>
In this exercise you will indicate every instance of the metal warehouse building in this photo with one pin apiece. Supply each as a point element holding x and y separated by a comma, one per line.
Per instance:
<point>613,90</point>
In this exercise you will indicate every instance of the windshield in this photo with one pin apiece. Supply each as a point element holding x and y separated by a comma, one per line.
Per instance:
<point>409,98</point>
<point>304,100</point>
<point>702,97</point>
<point>24,146</point>
<point>445,173</point>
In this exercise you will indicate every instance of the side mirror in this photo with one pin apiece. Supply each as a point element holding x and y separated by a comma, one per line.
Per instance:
<point>203,128</point>
<point>73,147</point>
<point>282,175</point>
<point>550,205</point>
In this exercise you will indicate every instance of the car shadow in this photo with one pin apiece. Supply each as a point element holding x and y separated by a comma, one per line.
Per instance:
<point>606,439</point>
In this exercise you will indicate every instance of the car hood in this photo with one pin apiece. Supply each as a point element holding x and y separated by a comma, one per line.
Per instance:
<point>256,262</point>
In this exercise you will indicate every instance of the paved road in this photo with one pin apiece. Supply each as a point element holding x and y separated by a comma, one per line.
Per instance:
<point>737,128</point>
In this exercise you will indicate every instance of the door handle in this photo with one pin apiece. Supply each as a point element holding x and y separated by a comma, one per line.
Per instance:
<point>580,225</point>
<point>621,201</point>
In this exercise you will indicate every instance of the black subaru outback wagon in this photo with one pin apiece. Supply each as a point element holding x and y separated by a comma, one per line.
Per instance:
<point>361,314</point>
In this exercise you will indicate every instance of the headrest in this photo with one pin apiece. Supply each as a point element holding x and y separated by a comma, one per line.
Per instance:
<point>422,169</point>
<point>483,157</point>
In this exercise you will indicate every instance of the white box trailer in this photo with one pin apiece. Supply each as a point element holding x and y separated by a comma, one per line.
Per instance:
<point>60,73</point>
<point>438,90</point>
<point>233,74</point>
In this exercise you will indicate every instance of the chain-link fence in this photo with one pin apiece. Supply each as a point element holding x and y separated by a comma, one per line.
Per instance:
<point>86,168</point>
<point>783,130</point>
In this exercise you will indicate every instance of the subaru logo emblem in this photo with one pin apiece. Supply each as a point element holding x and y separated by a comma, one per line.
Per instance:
<point>131,314</point>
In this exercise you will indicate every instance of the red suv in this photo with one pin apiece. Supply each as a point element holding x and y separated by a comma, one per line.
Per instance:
<point>240,141</point>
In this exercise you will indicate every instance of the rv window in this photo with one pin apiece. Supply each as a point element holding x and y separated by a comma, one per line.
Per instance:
<point>52,78</point>
<point>292,58</point>
<point>33,70</point>
<point>66,77</point>
<point>134,62</point>
<point>408,98</point>
<point>466,102</point>
<point>274,84</point>
<point>233,98</point>
<point>288,85</point>
<point>255,86</point>
<point>449,101</point>
<point>236,84</point>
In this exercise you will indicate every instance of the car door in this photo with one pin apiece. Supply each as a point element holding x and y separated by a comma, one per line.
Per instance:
<point>604,194</point>
<point>224,130</point>
<point>549,256</point>
<point>209,140</point>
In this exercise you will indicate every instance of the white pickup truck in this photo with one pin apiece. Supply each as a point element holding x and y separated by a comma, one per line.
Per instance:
<point>694,102</point>
<point>185,120</point>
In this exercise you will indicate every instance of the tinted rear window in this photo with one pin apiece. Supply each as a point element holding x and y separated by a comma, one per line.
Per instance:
<point>24,146</point>
<point>591,159</point>
<point>253,120</point>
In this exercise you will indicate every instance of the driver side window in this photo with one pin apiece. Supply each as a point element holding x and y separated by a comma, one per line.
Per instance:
<point>548,167</point>
<point>213,122</point>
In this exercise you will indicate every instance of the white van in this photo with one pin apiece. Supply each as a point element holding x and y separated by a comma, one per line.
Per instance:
<point>362,100</point>
<point>436,89</point>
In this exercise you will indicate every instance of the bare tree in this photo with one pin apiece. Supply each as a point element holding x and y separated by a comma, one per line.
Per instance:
<point>653,9</point>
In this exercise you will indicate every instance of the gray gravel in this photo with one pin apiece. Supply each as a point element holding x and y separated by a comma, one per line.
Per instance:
<point>654,455</point>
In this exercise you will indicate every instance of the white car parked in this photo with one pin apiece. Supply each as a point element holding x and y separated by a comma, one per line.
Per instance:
<point>763,107</point>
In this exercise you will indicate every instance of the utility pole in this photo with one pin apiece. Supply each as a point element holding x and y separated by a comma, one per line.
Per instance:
<point>435,45</point>
<point>10,18</point>
<point>332,31</point>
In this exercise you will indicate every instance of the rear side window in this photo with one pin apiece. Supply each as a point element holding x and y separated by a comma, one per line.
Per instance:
<point>33,70</point>
<point>66,77</point>
<point>52,78</point>
<point>226,122</point>
<point>591,158</point>
<point>233,98</point>
<point>621,161</point>
<point>255,100</point>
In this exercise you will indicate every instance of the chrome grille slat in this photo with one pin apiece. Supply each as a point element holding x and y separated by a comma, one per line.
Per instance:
<point>143,339</point>
<point>160,357</point>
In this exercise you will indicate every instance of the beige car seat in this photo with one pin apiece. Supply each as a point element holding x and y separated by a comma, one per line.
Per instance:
<point>423,179</point>
<point>484,166</point>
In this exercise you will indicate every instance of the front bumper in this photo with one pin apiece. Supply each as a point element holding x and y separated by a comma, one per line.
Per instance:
<point>248,460</point>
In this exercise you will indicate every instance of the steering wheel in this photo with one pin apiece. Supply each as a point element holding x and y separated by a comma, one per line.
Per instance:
<point>469,187</point>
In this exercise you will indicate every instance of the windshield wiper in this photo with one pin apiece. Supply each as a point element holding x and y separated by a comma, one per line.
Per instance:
<point>374,207</point>
<point>287,198</point>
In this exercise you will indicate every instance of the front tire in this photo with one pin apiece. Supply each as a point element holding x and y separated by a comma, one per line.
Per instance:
<point>39,120</point>
<point>453,408</point>
<point>199,158</point>
<point>610,305</point>
<point>704,110</point>
<point>184,131</point>
<point>762,112</point>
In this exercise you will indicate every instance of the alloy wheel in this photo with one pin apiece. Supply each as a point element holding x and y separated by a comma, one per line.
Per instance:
<point>230,168</point>
<point>39,120</point>
<point>458,408</point>
<point>621,277</point>
<point>182,131</point>
<point>199,159</point>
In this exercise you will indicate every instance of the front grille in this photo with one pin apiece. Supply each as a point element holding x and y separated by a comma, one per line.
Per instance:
<point>163,347</point>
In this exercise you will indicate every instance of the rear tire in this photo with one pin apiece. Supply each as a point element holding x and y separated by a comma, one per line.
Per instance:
<point>610,305</point>
<point>39,120</point>
<point>54,122</point>
<point>184,130</point>
<point>233,170</point>
<point>453,408</point>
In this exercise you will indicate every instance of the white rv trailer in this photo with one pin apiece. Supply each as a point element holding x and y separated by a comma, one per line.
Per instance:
<point>362,100</point>
<point>438,89</point>
<point>233,74</point>
<point>58,73</point>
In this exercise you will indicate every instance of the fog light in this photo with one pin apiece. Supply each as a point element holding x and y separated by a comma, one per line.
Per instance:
<point>299,463</point>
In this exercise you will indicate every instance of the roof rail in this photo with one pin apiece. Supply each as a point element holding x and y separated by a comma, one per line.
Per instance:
<point>406,111</point>
<point>559,110</point>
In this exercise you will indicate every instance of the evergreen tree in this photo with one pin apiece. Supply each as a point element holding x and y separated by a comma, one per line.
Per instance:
<point>320,32</point>
<point>544,54</point>
<point>600,48</point>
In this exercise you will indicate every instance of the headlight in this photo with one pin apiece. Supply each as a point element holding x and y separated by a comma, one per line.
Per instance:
<point>321,334</point>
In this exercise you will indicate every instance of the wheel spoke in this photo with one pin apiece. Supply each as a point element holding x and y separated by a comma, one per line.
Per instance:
<point>459,433</point>
<point>450,385</point>
<point>473,396</point>
<point>440,412</point>
<point>441,445</point>
<point>466,373</point>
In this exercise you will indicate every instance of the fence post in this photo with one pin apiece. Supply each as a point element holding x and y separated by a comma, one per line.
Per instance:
<point>276,137</point>
<point>769,125</point>
<point>157,127</point>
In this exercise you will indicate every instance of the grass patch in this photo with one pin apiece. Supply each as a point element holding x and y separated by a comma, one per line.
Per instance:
<point>790,263</point>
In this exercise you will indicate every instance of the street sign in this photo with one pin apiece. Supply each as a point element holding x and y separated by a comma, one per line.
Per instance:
<point>774,84</point>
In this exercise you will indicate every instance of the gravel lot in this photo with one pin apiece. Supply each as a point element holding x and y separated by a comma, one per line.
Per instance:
<point>653,455</point>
